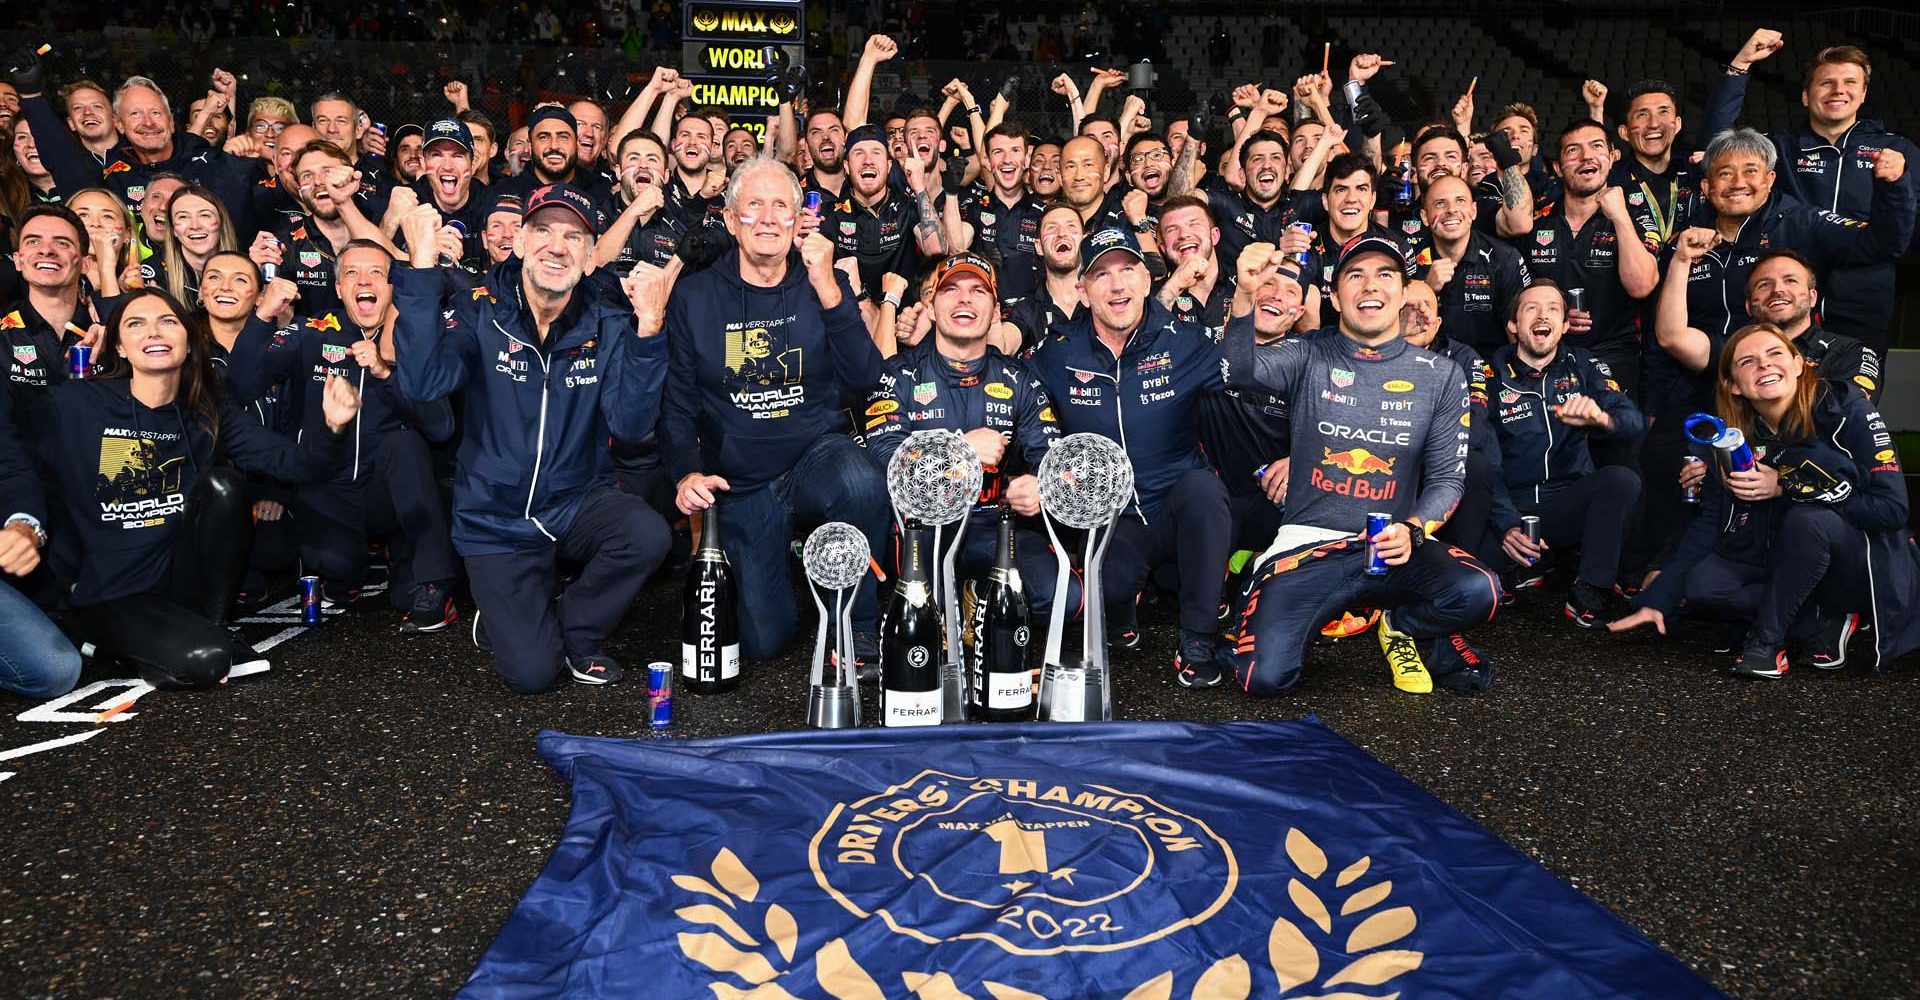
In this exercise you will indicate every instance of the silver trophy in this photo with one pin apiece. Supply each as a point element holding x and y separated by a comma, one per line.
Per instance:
<point>835,557</point>
<point>934,479</point>
<point>1085,481</point>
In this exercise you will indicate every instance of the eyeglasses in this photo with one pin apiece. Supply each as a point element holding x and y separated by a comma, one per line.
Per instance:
<point>1156,156</point>
<point>267,127</point>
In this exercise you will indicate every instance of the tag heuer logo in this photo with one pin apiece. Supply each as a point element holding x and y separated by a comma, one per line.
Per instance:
<point>1410,226</point>
<point>1544,237</point>
<point>986,218</point>
<point>26,354</point>
<point>309,258</point>
<point>332,353</point>
<point>513,347</point>
<point>1084,377</point>
<point>847,227</point>
<point>1342,378</point>
<point>924,392</point>
<point>136,192</point>
<point>1636,198</point>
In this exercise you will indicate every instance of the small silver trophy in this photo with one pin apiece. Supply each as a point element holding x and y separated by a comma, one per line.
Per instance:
<point>1084,481</point>
<point>934,479</point>
<point>835,558</point>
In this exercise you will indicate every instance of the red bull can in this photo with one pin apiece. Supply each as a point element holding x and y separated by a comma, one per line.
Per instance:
<point>80,361</point>
<point>1376,523</point>
<point>1301,257</point>
<point>1532,526</point>
<point>813,201</point>
<point>310,600</point>
<point>660,693</point>
<point>1692,493</point>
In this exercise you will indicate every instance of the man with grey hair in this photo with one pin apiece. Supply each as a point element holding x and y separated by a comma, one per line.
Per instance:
<point>763,346</point>
<point>150,145</point>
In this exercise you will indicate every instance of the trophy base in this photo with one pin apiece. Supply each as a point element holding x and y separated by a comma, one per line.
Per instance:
<point>833,707</point>
<point>1075,693</point>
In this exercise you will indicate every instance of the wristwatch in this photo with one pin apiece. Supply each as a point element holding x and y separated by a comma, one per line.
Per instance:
<point>39,533</point>
<point>1416,534</point>
<point>1144,224</point>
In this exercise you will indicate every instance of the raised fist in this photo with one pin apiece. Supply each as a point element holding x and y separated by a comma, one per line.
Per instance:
<point>1252,261</point>
<point>1761,44</point>
<point>646,287</point>
<point>880,48</point>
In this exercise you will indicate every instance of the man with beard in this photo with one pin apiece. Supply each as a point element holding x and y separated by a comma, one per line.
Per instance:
<point>642,230</point>
<point>979,392</point>
<point>556,160</point>
<point>273,201</point>
<point>1474,275</point>
<point>1258,212</point>
<point>90,116</point>
<point>1833,157</point>
<point>1521,126</point>
<point>1553,401</point>
<point>503,225</point>
<point>1002,223</point>
<point>1195,289</point>
<point>1057,297</point>
<point>338,120</point>
<point>384,485</point>
<point>1043,171</point>
<point>1504,202</point>
<point>1149,166</point>
<point>886,230</point>
<point>530,342</point>
<point>406,161</point>
<point>738,147</point>
<point>1662,189</point>
<point>693,192</point>
<point>1132,372</point>
<point>765,344</point>
<point>304,249</point>
<point>1588,240</point>
<point>447,184</point>
<point>1336,381</point>
<point>1782,290</point>
<point>826,144</point>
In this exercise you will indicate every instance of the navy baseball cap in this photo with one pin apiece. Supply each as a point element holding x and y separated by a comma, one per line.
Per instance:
<point>1367,243</point>
<point>449,130</point>
<point>552,112</point>
<point>568,197</point>
<point>1102,241</point>
<point>866,133</point>
<point>506,203</point>
<point>406,130</point>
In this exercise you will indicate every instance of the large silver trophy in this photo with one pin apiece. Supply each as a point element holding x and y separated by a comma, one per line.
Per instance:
<point>835,557</point>
<point>934,478</point>
<point>1085,481</point>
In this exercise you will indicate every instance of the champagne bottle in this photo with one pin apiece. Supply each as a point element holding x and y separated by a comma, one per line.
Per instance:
<point>910,656</point>
<point>709,623</point>
<point>1004,688</point>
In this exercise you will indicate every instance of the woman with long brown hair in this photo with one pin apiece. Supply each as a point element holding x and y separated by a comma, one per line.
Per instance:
<point>160,527</point>
<point>1808,540</point>
<point>198,227</point>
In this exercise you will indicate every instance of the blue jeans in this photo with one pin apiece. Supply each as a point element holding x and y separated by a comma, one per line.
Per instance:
<point>36,660</point>
<point>834,480</point>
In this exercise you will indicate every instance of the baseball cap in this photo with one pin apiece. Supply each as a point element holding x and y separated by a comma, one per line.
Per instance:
<point>866,133</point>
<point>450,130</point>
<point>506,203</point>
<point>403,131</point>
<point>1367,243</point>
<point>568,197</point>
<point>552,112</point>
<point>966,262</point>
<point>1101,241</point>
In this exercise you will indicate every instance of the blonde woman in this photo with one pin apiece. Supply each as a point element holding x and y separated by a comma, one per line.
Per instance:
<point>113,262</point>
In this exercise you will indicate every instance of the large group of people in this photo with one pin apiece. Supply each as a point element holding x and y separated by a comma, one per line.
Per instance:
<point>249,341</point>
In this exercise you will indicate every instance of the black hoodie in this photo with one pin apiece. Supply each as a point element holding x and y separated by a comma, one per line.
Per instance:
<point>125,470</point>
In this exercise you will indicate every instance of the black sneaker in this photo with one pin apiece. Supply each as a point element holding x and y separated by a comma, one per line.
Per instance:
<point>481,641</point>
<point>1826,648</point>
<point>432,610</point>
<point>1586,605</point>
<point>1761,661</point>
<point>1127,639</point>
<point>1198,664</point>
<point>1457,666</point>
<point>866,657</point>
<point>595,668</point>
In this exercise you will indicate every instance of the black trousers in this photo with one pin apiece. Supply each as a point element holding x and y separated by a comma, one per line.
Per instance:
<point>177,636</point>
<point>617,539</point>
<point>1468,528</point>
<point>1816,566</point>
<point>1439,590</point>
<point>1193,531</point>
<point>396,498</point>
<point>1590,514</point>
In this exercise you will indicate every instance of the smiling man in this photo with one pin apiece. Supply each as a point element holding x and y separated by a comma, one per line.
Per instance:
<point>1552,401</point>
<point>1002,223</point>
<point>38,329</point>
<point>325,187</point>
<point>1833,158</point>
<point>1667,186</point>
<point>448,185</point>
<point>1783,290</point>
<point>556,159</point>
<point>1127,369</point>
<point>1474,274</point>
<point>550,372</point>
<point>1378,426</point>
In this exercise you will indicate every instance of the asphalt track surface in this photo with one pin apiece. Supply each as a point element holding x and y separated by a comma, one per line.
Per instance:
<point>359,821</point>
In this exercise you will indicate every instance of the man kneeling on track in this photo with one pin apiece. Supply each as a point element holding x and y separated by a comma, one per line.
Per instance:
<point>1550,399</point>
<point>1383,427</point>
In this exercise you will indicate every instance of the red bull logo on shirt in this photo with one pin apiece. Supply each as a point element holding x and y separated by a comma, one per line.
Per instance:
<point>1358,461</point>
<point>1361,465</point>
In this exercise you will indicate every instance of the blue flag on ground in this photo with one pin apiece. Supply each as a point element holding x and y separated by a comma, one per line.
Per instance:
<point>1133,860</point>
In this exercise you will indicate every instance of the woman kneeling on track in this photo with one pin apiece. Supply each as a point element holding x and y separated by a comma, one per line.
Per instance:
<point>1810,539</point>
<point>159,527</point>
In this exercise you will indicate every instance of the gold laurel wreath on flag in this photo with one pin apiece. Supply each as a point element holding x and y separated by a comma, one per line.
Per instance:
<point>1293,956</point>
